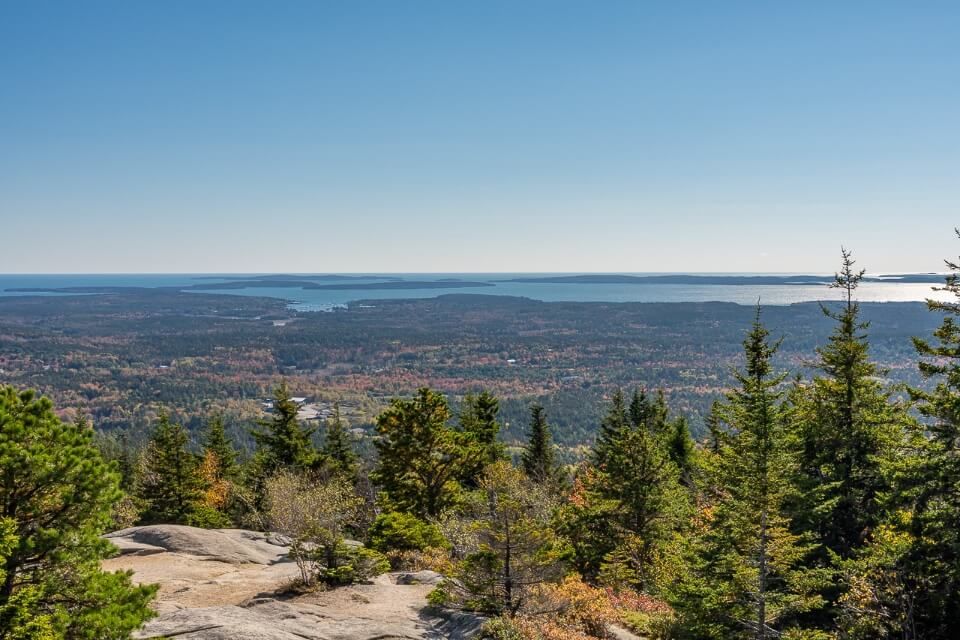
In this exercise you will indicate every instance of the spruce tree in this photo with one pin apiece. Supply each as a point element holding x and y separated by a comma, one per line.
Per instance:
<point>56,495</point>
<point>337,448</point>
<point>920,545</point>
<point>627,503</point>
<point>645,505</point>
<point>748,578</point>
<point>478,422</point>
<point>171,486</point>
<point>680,449</point>
<point>640,409</point>
<point>216,442</point>
<point>420,455</point>
<point>846,422</point>
<point>282,442</point>
<point>612,425</point>
<point>657,423</point>
<point>715,432</point>
<point>539,458</point>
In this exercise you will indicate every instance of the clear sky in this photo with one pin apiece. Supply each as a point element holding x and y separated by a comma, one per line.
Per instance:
<point>353,136</point>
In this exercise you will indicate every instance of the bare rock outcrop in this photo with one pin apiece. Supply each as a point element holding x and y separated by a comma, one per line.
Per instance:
<point>234,546</point>
<point>224,585</point>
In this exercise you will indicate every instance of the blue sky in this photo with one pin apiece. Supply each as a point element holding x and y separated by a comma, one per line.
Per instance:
<point>192,136</point>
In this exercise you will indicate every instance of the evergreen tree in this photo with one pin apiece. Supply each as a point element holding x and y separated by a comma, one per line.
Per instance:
<point>627,504</point>
<point>846,423</point>
<point>56,494</point>
<point>515,550</point>
<point>611,427</point>
<point>645,505</point>
<point>680,449</point>
<point>538,456</point>
<point>282,443</point>
<point>420,455</point>
<point>657,422</point>
<point>216,442</point>
<point>171,485</point>
<point>748,578</point>
<point>337,448</point>
<point>715,433</point>
<point>640,410</point>
<point>911,567</point>
<point>478,422</point>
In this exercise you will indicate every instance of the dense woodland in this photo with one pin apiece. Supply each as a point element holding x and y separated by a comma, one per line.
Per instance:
<point>818,502</point>
<point>123,356</point>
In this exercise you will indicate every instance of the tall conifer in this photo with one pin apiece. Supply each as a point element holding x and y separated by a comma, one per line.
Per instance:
<point>337,447</point>
<point>846,423</point>
<point>748,579</point>
<point>171,484</point>
<point>538,456</point>
<point>282,442</point>
<point>613,424</point>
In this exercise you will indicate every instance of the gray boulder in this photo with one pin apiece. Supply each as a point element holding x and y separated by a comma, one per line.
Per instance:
<point>233,546</point>
<point>420,577</point>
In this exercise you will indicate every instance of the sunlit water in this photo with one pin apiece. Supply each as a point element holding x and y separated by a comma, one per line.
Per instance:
<point>325,299</point>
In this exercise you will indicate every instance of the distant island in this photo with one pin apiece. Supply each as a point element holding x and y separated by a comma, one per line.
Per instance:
<point>718,279</point>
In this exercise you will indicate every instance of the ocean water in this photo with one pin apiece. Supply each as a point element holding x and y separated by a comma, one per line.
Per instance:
<point>326,299</point>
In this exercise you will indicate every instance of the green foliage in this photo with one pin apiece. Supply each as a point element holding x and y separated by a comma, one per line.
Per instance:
<point>353,564</point>
<point>478,422</point>
<point>337,448</point>
<point>57,493</point>
<point>612,425</point>
<point>748,577</point>
<point>216,442</point>
<point>625,512</point>
<point>539,456</point>
<point>881,596</point>
<point>913,561</point>
<point>206,517</point>
<point>681,449</point>
<point>500,628</point>
<point>514,548</point>
<point>315,514</point>
<point>404,532</point>
<point>170,485</point>
<point>846,423</point>
<point>420,456</point>
<point>282,442</point>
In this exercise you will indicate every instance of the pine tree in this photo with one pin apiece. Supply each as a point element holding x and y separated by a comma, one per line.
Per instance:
<point>56,495</point>
<point>748,578</point>
<point>538,456</point>
<point>282,443</point>
<point>420,455</point>
<point>337,448</point>
<point>846,423</point>
<point>216,442</point>
<point>171,485</point>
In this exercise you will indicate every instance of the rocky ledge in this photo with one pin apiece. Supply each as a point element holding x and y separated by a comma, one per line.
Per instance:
<point>222,585</point>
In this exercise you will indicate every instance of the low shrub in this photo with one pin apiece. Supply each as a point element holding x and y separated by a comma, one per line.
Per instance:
<point>396,531</point>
